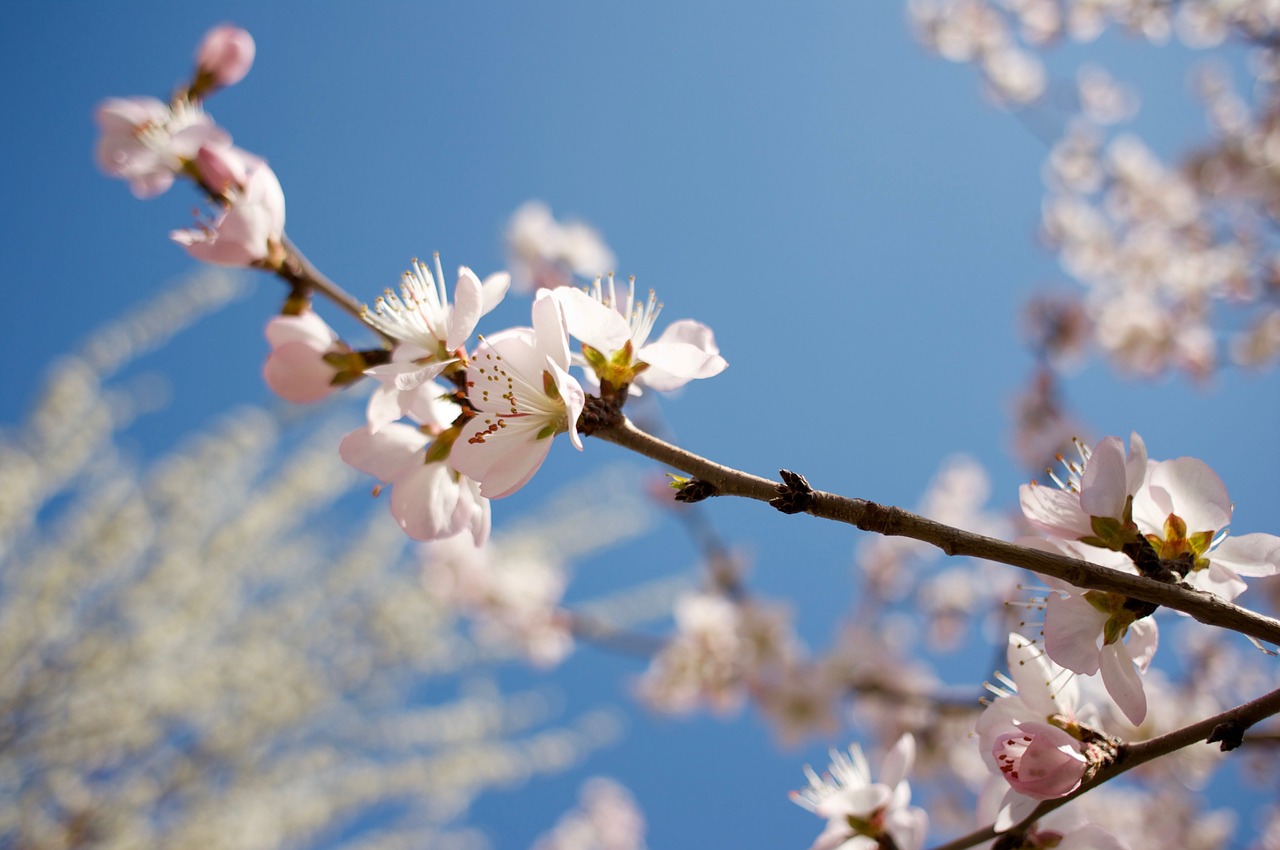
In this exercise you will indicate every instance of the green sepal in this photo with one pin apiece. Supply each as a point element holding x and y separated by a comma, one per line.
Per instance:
<point>348,366</point>
<point>441,446</point>
<point>549,385</point>
<point>677,482</point>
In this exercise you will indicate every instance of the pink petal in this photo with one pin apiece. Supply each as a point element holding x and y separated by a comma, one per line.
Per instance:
<point>306,327</point>
<point>425,502</point>
<point>1104,485</point>
<point>385,454</point>
<point>297,372</point>
<point>226,54</point>
<point>503,462</point>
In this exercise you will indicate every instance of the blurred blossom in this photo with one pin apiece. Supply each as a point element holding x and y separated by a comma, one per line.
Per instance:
<point>224,57</point>
<point>200,651</point>
<point>248,231</point>
<point>1014,75</point>
<point>546,253</point>
<point>1103,100</point>
<point>147,142</point>
<point>607,818</point>
<point>511,594</point>
<point>721,648</point>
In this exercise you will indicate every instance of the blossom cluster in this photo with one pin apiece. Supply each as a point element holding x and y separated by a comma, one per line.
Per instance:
<point>1162,519</point>
<point>1174,258</point>
<point>455,418</point>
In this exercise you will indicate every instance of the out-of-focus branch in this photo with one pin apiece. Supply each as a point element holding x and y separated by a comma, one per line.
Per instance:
<point>794,496</point>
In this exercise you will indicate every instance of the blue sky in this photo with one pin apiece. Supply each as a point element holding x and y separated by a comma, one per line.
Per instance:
<point>848,214</point>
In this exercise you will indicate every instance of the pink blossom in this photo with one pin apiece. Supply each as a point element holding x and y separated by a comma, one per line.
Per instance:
<point>523,396</point>
<point>248,231</point>
<point>147,142</point>
<point>429,500</point>
<point>1088,631</point>
<point>295,369</point>
<point>1098,490</point>
<point>1184,511</point>
<point>1039,760</point>
<point>225,55</point>
<point>1037,693</point>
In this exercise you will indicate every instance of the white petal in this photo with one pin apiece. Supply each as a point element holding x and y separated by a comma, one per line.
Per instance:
<point>600,327</point>
<point>468,307</point>
<point>495,288</point>
<point>1123,682</point>
<point>1142,641</point>
<point>1071,630</point>
<point>1054,511</point>
<point>1249,554</point>
<point>1197,493</point>
<point>384,454</point>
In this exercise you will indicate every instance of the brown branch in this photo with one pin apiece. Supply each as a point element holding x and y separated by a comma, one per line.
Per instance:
<point>895,522</point>
<point>1132,755</point>
<point>298,271</point>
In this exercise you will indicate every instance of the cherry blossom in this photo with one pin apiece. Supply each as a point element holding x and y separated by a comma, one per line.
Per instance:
<point>147,142</point>
<point>615,336</point>
<point>524,396</point>
<point>1027,734</point>
<point>429,499</point>
<point>430,329</point>
<point>249,231</point>
<point>1184,511</point>
<point>1092,504</point>
<point>858,811</point>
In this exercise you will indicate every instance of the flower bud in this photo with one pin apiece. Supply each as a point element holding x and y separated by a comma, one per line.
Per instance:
<point>1039,760</point>
<point>224,57</point>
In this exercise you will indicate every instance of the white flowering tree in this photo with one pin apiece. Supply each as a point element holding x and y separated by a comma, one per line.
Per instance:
<point>1132,678</point>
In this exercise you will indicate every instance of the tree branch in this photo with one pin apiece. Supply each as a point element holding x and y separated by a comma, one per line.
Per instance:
<point>1132,755</point>
<point>896,522</point>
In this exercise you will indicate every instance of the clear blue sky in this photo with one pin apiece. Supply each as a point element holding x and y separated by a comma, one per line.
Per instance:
<point>845,211</point>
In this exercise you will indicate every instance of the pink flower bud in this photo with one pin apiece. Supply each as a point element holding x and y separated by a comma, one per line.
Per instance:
<point>221,168</point>
<point>296,370</point>
<point>1039,760</point>
<point>225,55</point>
